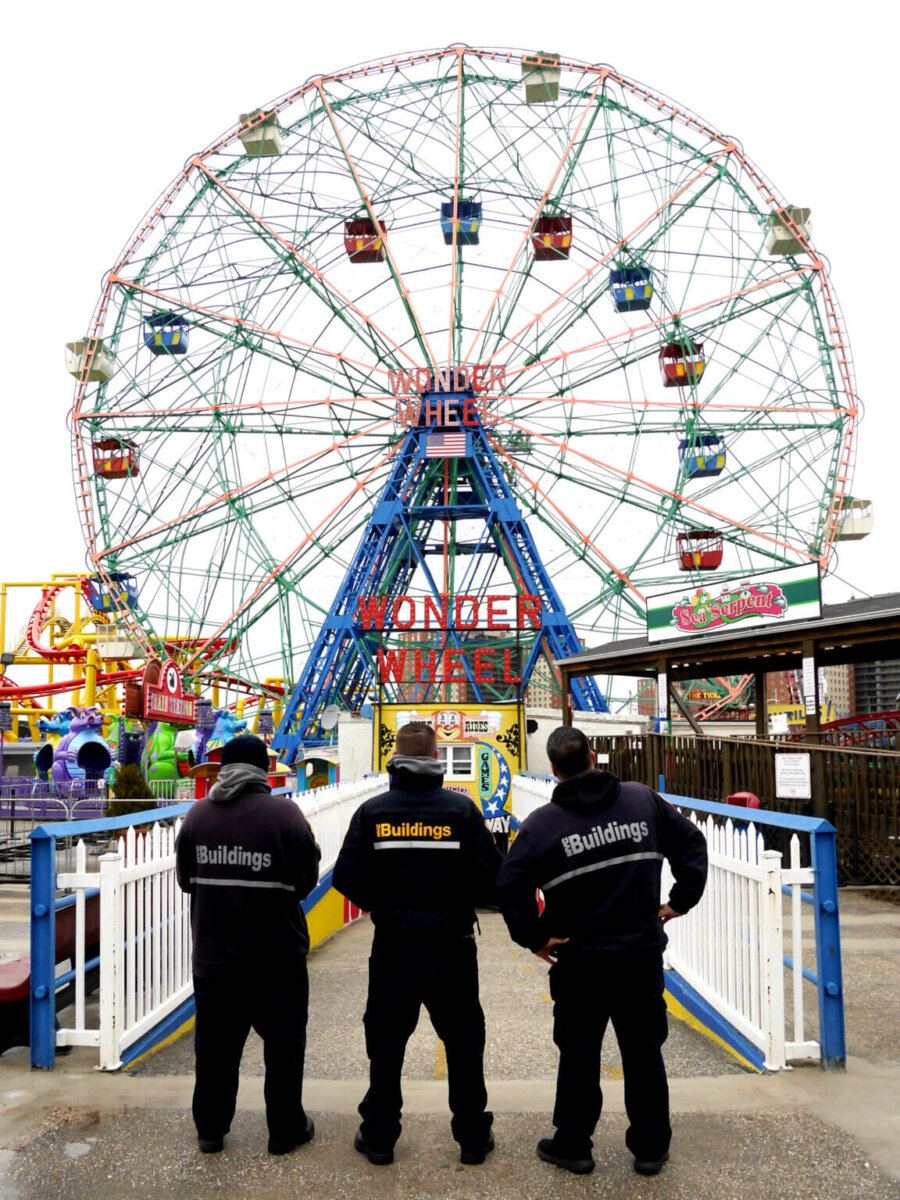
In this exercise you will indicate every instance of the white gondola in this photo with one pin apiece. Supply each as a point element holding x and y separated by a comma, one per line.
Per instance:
<point>781,238</point>
<point>263,138</point>
<point>857,520</point>
<point>102,365</point>
<point>114,641</point>
<point>540,74</point>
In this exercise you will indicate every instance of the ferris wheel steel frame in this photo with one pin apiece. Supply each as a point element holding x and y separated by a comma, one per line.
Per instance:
<point>608,481</point>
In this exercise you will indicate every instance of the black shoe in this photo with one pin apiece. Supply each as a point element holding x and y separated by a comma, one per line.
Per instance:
<point>379,1158</point>
<point>306,1135</point>
<point>472,1155</point>
<point>651,1166</point>
<point>210,1145</point>
<point>578,1166</point>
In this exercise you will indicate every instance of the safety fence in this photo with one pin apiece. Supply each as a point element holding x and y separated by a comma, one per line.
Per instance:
<point>145,942</point>
<point>729,956</point>
<point>23,809</point>
<point>857,789</point>
<point>142,953</point>
<point>329,809</point>
<point>176,791</point>
<point>43,800</point>
<point>141,950</point>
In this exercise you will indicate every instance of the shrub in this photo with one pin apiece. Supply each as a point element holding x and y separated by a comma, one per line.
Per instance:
<point>131,792</point>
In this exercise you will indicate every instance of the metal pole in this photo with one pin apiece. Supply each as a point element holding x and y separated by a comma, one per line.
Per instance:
<point>43,949</point>
<point>829,970</point>
<point>762,705</point>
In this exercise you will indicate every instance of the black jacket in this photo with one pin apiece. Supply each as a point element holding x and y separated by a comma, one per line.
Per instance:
<point>247,863</point>
<point>596,853</point>
<point>418,857</point>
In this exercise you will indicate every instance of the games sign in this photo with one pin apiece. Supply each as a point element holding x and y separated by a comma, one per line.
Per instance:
<point>765,599</point>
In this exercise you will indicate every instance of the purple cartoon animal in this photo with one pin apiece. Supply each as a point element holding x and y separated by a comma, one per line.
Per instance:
<point>82,753</point>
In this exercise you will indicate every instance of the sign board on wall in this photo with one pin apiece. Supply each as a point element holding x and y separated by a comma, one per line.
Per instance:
<point>164,698</point>
<point>662,696</point>
<point>809,685</point>
<point>778,724</point>
<point>758,600</point>
<point>482,745</point>
<point>792,779</point>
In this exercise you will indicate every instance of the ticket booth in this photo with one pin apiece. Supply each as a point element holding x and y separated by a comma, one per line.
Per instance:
<point>481,745</point>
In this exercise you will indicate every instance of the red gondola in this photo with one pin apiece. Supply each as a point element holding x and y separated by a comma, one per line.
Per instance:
<point>681,363</point>
<point>551,238</point>
<point>115,459</point>
<point>699,550</point>
<point>364,240</point>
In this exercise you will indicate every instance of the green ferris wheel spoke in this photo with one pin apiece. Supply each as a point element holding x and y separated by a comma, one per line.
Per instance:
<point>284,402</point>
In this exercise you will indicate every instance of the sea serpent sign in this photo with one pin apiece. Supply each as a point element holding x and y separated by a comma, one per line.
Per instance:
<point>729,607</point>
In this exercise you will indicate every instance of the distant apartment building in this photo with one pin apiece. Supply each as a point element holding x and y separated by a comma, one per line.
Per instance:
<point>876,687</point>
<point>840,689</point>
<point>783,687</point>
<point>543,690</point>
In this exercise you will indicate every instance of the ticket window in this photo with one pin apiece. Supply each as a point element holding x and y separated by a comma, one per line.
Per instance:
<point>458,762</point>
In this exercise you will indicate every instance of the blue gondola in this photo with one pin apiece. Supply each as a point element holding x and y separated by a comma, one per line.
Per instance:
<point>166,333</point>
<point>703,456</point>
<point>631,288</point>
<point>468,215</point>
<point>103,598</point>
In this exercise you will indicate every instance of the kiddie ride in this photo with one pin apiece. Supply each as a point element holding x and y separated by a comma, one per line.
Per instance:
<point>118,711</point>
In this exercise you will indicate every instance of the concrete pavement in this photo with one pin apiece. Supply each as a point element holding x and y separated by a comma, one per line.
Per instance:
<point>801,1134</point>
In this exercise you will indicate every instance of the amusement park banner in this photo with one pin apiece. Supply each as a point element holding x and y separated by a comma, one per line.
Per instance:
<point>764,599</point>
<point>481,745</point>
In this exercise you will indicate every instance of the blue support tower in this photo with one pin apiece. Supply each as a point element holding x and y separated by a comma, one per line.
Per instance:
<point>392,559</point>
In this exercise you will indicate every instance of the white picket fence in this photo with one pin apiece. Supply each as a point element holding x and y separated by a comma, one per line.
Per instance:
<point>329,809</point>
<point>530,792</point>
<point>145,942</point>
<point>731,948</point>
<point>145,931</point>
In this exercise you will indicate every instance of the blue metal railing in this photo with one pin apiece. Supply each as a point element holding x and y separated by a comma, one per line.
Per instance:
<point>828,977</point>
<point>44,905</point>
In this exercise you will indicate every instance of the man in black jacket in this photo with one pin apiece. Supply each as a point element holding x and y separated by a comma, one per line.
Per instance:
<point>419,858</point>
<point>596,853</point>
<point>248,858</point>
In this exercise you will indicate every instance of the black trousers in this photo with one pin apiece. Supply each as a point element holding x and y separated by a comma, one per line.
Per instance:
<point>590,989</point>
<point>227,1009</point>
<point>406,972</point>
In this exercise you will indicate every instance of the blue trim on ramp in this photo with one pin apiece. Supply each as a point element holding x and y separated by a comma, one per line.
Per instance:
<point>169,1025</point>
<point>712,1020</point>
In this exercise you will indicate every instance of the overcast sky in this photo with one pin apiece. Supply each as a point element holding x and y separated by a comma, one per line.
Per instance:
<point>104,102</point>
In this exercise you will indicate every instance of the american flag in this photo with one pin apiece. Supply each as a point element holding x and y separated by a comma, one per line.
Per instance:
<point>445,445</point>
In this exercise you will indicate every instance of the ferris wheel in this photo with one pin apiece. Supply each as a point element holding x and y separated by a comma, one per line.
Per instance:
<point>651,341</point>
